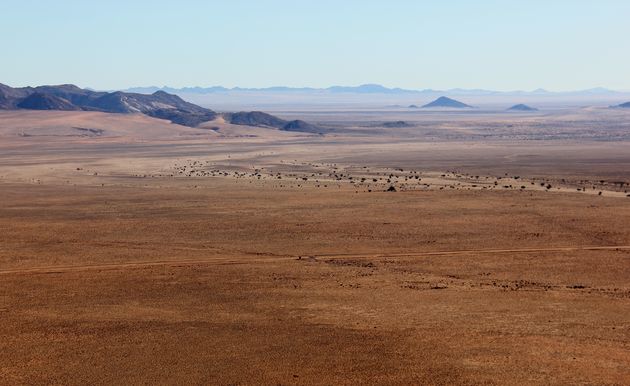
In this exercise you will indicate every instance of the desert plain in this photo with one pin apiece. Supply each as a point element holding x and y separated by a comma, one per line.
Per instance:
<point>396,247</point>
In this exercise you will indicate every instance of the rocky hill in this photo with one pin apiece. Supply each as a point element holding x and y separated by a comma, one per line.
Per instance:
<point>445,102</point>
<point>10,97</point>
<point>302,127</point>
<point>254,118</point>
<point>160,105</point>
<point>40,101</point>
<point>522,107</point>
<point>260,119</point>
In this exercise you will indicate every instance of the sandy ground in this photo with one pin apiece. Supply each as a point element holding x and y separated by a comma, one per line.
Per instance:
<point>132,258</point>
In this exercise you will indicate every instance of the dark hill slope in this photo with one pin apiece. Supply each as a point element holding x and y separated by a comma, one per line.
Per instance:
<point>73,94</point>
<point>302,127</point>
<point>255,118</point>
<point>39,101</point>
<point>10,97</point>
<point>258,118</point>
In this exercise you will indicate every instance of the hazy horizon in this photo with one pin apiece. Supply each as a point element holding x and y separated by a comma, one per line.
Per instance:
<point>332,86</point>
<point>564,46</point>
<point>236,88</point>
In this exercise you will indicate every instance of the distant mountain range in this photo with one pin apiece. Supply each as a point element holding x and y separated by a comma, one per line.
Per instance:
<point>163,105</point>
<point>159,104</point>
<point>369,89</point>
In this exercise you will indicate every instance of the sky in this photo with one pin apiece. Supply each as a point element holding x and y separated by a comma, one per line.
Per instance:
<point>501,45</point>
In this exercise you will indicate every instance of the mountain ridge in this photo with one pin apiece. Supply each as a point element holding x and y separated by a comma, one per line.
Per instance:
<point>370,88</point>
<point>159,104</point>
<point>43,101</point>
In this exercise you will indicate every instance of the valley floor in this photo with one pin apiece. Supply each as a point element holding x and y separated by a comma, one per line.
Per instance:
<point>233,284</point>
<point>133,251</point>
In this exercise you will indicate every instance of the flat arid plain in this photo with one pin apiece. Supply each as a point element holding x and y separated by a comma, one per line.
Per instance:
<point>397,247</point>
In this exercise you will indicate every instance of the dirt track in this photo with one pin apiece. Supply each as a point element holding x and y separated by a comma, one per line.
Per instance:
<point>247,259</point>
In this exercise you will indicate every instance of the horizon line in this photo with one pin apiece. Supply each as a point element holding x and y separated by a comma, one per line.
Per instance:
<point>237,88</point>
<point>338,86</point>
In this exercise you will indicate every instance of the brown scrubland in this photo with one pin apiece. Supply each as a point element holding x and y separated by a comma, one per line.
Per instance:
<point>137,251</point>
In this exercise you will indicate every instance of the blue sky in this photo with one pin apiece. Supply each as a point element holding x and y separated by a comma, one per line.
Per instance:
<point>502,45</point>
